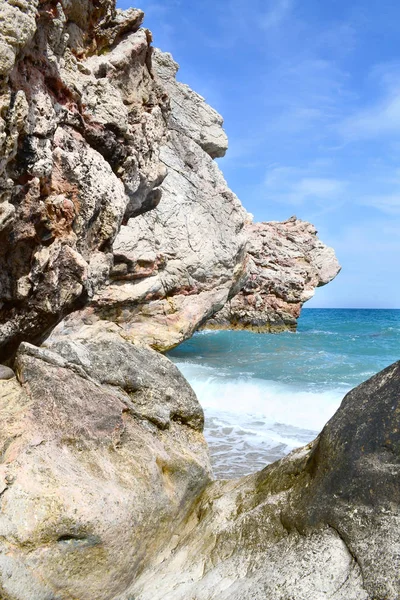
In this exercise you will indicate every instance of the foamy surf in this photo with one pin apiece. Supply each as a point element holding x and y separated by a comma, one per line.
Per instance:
<point>265,395</point>
<point>251,422</point>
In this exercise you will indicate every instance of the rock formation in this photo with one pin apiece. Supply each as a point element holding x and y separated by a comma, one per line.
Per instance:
<point>181,265</point>
<point>106,490</point>
<point>321,523</point>
<point>178,264</point>
<point>81,122</point>
<point>286,263</point>
<point>102,452</point>
<point>106,494</point>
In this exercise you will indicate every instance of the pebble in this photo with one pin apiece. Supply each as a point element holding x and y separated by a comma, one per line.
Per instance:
<point>6,372</point>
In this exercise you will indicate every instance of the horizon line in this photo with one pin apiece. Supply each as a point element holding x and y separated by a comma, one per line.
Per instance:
<point>347,308</point>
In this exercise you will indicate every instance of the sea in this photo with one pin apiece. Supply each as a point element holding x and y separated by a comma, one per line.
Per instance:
<point>265,394</point>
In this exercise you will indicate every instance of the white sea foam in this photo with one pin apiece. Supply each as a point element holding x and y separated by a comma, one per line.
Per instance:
<point>251,422</point>
<point>275,402</point>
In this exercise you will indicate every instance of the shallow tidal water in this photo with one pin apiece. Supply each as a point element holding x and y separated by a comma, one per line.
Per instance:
<point>264,395</point>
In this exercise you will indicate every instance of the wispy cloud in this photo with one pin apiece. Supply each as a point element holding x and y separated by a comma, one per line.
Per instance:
<point>381,118</point>
<point>296,186</point>
<point>276,14</point>
<point>389,204</point>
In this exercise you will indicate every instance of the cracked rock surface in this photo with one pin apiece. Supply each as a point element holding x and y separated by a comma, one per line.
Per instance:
<point>286,263</point>
<point>321,523</point>
<point>105,489</point>
<point>178,264</point>
<point>81,123</point>
<point>100,460</point>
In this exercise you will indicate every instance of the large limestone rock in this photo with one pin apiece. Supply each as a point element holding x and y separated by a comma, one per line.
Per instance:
<point>91,121</point>
<point>287,262</point>
<point>81,123</point>
<point>102,455</point>
<point>177,265</point>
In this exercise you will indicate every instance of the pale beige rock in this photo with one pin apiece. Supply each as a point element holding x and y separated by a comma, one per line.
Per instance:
<point>105,494</point>
<point>190,114</point>
<point>321,523</point>
<point>17,28</point>
<point>90,487</point>
<point>178,264</point>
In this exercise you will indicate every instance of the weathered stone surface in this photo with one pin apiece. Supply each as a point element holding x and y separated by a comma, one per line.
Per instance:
<point>99,500</point>
<point>90,487</point>
<point>6,372</point>
<point>177,265</point>
<point>190,114</point>
<point>286,263</point>
<point>105,489</point>
<point>81,122</point>
<point>86,104</point>
<point>321,523</point>
<point>147,376</point>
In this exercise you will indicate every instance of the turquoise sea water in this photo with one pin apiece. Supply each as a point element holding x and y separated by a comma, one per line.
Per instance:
<point>264,395</point>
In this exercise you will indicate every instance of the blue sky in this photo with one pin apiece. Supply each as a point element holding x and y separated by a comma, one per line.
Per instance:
<point>310,94</point>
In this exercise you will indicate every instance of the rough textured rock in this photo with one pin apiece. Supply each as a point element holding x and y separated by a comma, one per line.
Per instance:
<point>321,523</point>
<point>101,499</point>
<point>91,121</point>
<point>91,484</point>
<point>286,263</point>
<point>105,483</point>
<point>177,265</point>
<point>81,122</point>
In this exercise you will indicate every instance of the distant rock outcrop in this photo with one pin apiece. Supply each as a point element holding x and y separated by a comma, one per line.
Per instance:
<point>287,262</point>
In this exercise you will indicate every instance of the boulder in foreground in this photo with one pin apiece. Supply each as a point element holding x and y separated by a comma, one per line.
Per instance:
<point>106,493</point>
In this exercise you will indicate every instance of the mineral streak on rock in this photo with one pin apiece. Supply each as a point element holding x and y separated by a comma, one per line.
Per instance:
<point>287,262</point>
<point>81,122</point>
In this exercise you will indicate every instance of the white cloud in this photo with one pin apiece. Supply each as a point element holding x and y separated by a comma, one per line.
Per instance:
<point>296,186</point>
<point>278,13</point>
<point>389,204</point>
<point>318,187</point>
<point>382,118</point>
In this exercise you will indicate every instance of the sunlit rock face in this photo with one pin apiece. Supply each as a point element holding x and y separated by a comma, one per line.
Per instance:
<point>102,456</point>
<point>105,489</point>
<point>178,264</point>
<point>81,123</point>
<point>286,263</point>
<point>321,523</point>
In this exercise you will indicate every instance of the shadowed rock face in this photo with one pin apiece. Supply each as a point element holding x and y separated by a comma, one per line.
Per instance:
<point>81,122</point>
<point>105,484</point>
<point>286,263</point>
<point>321,523</point>
<point>91,122</point>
